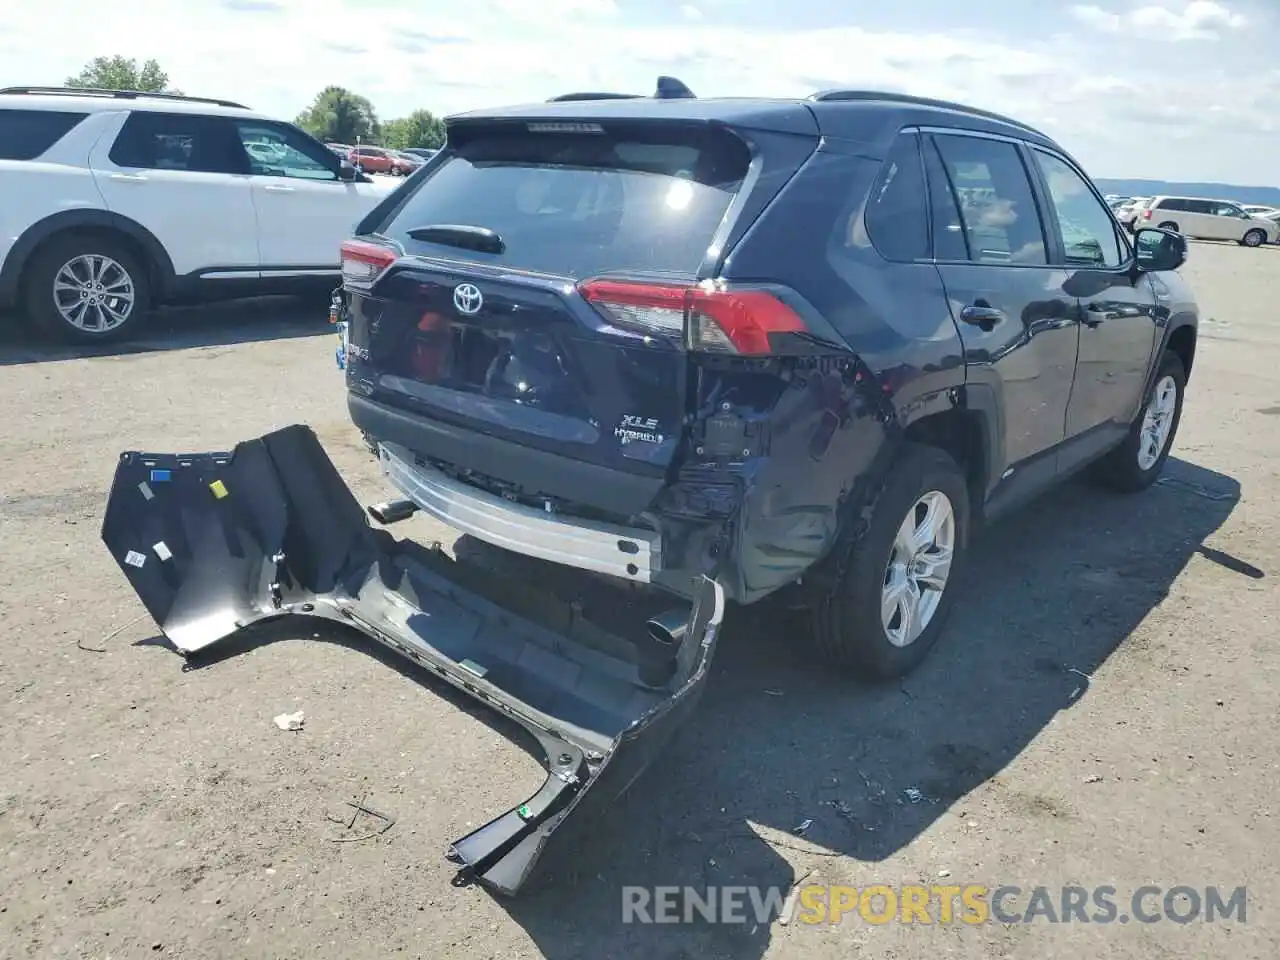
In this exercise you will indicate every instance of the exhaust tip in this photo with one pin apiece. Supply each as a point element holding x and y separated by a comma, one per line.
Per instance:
<point>393,511</point>
<point>668,629</point>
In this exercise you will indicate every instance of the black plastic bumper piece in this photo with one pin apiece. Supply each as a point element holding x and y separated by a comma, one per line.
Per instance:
<point>215,542</point>
<point>615,492</point>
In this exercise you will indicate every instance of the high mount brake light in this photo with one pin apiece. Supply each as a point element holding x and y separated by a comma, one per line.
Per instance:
<point>363,262</point>
<point>721,320</point>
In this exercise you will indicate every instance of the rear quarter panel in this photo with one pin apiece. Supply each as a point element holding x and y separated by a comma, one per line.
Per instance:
<point>835,426</point>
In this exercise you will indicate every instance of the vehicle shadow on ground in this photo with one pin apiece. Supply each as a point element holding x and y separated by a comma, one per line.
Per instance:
<point>178,328</point>
<point>1048,596</point>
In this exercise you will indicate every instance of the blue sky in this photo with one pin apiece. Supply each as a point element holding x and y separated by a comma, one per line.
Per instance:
<point>1173,89</point>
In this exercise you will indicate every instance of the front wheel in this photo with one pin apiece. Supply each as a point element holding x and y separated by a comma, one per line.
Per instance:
<point>1137,462</point>
<point>1254,238</point>
<point>892,600</point>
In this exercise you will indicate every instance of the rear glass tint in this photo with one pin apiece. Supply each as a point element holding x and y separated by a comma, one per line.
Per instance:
<point>634,199</point>
<point>25,134</point>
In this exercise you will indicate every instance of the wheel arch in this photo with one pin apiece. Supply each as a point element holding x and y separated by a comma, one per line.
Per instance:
<point>140,240</point>
<point>1182,341</point>
<point>964,430</point>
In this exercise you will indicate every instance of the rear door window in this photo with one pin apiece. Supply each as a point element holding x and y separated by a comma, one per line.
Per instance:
<point>997,204</point>
<point>26,134</point>
<point>626,198</point>
<point>179,141</point>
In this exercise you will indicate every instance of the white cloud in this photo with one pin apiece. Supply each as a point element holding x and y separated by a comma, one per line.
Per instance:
<point>690,12</point>
<point>1198,20</point>
<point>1090,91</point>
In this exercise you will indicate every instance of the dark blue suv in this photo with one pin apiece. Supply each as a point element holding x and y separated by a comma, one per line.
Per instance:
<point>705,350</point>
<point>809,343</point>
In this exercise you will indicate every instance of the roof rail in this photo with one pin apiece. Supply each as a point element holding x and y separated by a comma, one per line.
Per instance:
<point>669,88</point>
<point>565,97</point>
<point>829,96</point>
<point>119,94</point>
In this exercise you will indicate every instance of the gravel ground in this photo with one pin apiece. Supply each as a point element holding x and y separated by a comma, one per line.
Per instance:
<point>1103,710</point>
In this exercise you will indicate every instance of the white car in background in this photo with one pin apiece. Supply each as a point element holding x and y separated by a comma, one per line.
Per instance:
<point>115,201</point>
<point>1208,220</point>
<point>1260,210</point>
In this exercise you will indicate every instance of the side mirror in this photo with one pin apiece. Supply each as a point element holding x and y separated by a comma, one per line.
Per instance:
<point>1159,249</point>
<point>347,172</point>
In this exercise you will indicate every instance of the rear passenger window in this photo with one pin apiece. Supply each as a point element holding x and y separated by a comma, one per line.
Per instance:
<point>948,228</point>
<point>26,134</point>
<point>997,205</point>
<point>896,219</point>
<point>1088,232</point>
<point>174,141</point>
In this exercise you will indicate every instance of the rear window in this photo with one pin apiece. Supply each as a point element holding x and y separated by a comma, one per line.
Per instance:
<point>25,134</point>
<point>581,204</point>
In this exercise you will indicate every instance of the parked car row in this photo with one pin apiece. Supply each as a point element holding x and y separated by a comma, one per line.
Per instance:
<point>116,201</point>
<point>1203,218</point>
<point>371,159</point>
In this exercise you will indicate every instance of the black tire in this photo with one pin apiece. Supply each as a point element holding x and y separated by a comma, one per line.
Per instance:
<point>41,271</point>
<point>1254,238</point>
<point>1170,225</point>
<point>1120,469</point>
<point>847,628</point>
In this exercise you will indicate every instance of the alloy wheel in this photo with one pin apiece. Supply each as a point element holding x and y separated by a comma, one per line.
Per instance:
<point>919,568</point>
<point>1157,424</point>
<point>94,293</point>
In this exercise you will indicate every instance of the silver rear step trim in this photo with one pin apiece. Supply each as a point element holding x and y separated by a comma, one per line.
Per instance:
<point>625,552</point>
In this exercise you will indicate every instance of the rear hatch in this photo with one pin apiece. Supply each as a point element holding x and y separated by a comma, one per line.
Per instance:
<point>535,286</point>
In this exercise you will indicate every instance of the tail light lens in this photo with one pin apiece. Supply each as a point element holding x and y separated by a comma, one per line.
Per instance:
<point>1146,214</point>
<point>363,262</point>
<point>717,319</point>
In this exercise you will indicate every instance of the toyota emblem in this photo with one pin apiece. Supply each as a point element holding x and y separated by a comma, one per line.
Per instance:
<point>468,299</point>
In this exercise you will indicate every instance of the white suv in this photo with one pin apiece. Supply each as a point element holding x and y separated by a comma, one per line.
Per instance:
<point>1207,219</point>
<point>116,201</point>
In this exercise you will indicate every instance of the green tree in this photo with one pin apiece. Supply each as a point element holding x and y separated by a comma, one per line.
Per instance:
<point>122,73</point>
<point>419,129</point>
<point>339,115</point>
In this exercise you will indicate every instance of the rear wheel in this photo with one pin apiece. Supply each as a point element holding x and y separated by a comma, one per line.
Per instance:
<point>1254,238</point>
<point>1170,225</point>
<point>1136,463</point>
<point>894,594</point>
<point>86,288</point>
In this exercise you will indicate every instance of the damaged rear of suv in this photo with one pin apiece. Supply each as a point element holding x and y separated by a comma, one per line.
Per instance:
<point>705,350</point>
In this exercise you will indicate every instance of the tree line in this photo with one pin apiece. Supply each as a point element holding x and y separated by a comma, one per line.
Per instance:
<point>336,115</point>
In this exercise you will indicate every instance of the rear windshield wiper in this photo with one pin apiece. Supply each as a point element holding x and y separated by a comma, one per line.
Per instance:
<point>460,235</point>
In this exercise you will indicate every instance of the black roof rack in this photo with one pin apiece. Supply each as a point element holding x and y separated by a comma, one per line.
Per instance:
<point>828,96</point>
<point>120,94</point>
<point>668,88</point>
<point>565,97</point>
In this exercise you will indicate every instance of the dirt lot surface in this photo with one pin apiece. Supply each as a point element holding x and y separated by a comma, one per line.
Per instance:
<point>1103,710</point>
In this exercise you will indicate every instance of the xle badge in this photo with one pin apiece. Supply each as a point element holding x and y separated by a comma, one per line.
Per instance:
<point>633,429</point>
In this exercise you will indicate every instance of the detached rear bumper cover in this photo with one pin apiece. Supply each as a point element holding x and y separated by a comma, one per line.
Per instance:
<point>215,542</point>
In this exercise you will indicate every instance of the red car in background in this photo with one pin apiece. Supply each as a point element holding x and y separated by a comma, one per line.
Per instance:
<point>379,160</point>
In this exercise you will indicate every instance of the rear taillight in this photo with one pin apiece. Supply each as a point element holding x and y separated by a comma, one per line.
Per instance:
<point>1146,214</point>
<point>363,262</point>
<point>716,318</point>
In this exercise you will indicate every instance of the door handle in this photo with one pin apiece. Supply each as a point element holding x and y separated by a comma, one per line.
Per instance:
<point>128,178</point>
<point>982,315</point>
<point>277,188</point>
<point>1093,315</point>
